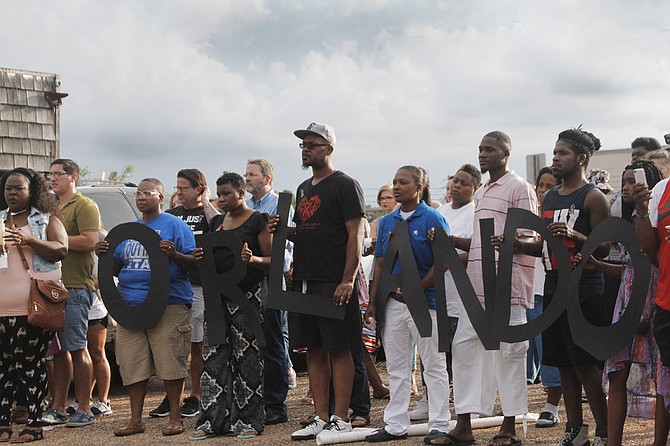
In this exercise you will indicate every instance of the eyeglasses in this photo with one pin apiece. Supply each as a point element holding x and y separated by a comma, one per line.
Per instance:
<point>667,138</point>
<point>311,145</point>
<point>57,174</point>
<point>182,188</point>
<point>16,188</point>
<point>385,198</point>
<point>146,193</point>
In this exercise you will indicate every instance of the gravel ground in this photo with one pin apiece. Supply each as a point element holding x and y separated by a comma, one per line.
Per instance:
<point>637,431</point>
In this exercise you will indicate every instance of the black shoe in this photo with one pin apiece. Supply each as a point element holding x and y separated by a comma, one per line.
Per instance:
<point>432,435</point>
<point>381,435</point>
<point>163,410</point>
<point>190,407</point>
<point>275,418</point>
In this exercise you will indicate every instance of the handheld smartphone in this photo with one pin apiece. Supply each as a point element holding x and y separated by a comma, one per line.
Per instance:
<point>640,177</point>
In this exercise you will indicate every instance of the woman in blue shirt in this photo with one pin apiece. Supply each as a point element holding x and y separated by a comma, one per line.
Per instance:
<point>410,189</point>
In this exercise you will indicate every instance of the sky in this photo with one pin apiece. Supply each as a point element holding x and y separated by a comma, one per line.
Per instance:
<point>165,85</point>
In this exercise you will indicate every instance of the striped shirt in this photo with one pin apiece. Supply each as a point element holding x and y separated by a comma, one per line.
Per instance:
<point>492,200</point>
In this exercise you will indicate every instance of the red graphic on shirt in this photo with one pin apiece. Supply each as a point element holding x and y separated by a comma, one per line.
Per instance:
<point>308,207</point>
<point>568,216</point>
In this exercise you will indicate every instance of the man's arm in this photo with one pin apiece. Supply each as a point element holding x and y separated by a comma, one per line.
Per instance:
<point>345,289</point>
<point>84,242</point>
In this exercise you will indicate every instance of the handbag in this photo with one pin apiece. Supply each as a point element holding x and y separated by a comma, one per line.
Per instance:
<point>46,301</point>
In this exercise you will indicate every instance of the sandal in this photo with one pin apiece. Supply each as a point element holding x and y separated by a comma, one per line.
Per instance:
<point>201,434</point>
<point>27,435</point>
<point>307,420</point>
<point>6,430</point>
<point>247,432</point>
<point>359,421</point>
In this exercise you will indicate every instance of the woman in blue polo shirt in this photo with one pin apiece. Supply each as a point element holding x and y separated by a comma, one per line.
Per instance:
<point>410,188</point>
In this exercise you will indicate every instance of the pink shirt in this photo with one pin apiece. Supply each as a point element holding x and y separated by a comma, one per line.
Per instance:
<point>16,282</point>
<point>492,200</point>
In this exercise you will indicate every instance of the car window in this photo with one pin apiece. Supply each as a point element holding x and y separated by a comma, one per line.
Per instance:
<point>116,206</point>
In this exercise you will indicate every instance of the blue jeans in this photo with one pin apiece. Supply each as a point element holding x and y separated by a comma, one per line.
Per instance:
<point>275,376</point>
<point>550,375</point>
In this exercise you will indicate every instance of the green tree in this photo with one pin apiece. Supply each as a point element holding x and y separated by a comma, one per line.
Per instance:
<point>125,174</point>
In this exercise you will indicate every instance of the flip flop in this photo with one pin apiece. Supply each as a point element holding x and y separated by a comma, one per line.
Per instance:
<point>27,435</point>
<point>201,435</point>
<point>359,421</point>
<point>451,440</point>
<point>505,440</point>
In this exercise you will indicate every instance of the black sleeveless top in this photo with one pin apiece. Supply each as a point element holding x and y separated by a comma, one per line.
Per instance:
<point>569,209</point>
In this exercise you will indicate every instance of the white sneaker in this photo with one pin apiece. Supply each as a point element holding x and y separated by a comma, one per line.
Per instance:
<point>420,411</point>
<point>292,379</point>
<point>99,408</point>
<point>575,437</point>
<point>72,408</point>
<point>335,425</point>
<point>310,431</point>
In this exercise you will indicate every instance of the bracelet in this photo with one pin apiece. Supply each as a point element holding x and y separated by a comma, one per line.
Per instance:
<point>647,215</point>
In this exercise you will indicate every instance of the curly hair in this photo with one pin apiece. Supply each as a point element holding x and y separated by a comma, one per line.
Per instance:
<point>40,197</point>
<point>581,141</point>
<point>234,179</point>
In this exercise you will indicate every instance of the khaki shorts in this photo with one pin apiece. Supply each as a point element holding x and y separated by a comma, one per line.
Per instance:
<point>163,349</point>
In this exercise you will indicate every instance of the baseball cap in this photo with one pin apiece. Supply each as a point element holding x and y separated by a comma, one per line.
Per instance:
<point>316,128</point>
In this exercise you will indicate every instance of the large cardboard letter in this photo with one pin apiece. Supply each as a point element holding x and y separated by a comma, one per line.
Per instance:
<point>409,282</point>
<point>517,219</point>
<point>290,300</point>
<point>218,286</point>
<point>588,336</point>
<point>151,311</point>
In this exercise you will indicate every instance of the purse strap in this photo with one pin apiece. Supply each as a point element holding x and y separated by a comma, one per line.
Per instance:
<point>10,220</point>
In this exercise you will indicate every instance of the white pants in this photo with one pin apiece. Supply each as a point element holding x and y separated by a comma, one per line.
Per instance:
<point>478,372</point>
<point>399,336</point>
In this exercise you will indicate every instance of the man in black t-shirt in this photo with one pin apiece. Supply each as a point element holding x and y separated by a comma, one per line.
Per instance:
<point>327,251</point>
<point>196,211</point>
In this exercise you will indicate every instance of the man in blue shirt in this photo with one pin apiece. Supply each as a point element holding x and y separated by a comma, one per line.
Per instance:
<point>259,177</point>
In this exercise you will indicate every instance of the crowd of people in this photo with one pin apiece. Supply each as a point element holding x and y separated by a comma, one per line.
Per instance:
<point>240,375</point>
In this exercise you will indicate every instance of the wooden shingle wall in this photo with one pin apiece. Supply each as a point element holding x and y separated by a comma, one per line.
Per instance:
<point>28,123</point>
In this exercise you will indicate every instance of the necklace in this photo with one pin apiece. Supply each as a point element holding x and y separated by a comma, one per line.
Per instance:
<point>14,214</point>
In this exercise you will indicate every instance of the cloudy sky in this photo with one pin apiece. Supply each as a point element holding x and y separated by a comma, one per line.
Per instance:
<point>165,85</point>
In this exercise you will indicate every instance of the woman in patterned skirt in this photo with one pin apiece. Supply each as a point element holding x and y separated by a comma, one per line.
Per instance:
<point>232,378</point>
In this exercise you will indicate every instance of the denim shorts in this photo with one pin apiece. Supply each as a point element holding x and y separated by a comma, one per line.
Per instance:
<point>77,306</point>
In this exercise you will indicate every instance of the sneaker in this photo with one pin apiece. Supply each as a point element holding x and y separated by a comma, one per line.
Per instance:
<point>381,435</point>
<point>292,379</point>
<point>99,408</point>
<point>547,419</point>
<point>599,441</point>
<point>310,431</point>
<point>163,409</point>
<point>53,417</point>
<point>335,425</point>
<point>420,411</point>
<point>190,407</point>
<point>72,408</point>
<point>80,419</point>
<point>433,435</point>
<point>574,436</point>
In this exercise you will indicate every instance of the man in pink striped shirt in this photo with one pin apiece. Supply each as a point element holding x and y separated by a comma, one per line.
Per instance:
<point>478,372</point>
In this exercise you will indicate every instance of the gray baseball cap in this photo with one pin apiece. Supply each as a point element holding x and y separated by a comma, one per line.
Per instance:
<point>316,128</point>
